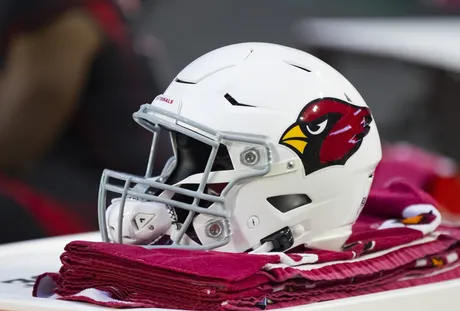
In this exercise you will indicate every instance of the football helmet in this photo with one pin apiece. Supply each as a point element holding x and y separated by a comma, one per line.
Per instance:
<point>273,149</point>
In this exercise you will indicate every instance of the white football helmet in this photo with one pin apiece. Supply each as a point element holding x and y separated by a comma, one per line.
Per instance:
<point>273,149</point>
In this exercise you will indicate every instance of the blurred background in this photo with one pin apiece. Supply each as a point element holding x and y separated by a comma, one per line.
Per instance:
<point>74,71</point>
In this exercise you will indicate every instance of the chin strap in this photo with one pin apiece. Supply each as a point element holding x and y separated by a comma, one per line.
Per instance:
<point>279,242</point>
<point>165,173</point>
<point>262,249</point>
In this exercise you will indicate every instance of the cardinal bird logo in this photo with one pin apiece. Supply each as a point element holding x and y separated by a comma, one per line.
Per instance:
<point>328,131</point>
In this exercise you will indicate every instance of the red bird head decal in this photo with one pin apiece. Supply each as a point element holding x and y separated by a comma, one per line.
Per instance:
<point>328,131</point>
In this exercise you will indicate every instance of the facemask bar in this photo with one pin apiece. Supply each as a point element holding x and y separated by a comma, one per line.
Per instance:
<point>147,116</point>
<point>149,170</point>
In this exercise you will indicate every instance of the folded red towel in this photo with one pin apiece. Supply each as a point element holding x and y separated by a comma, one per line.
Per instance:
<point>397,242</point>
<point>436,174</point>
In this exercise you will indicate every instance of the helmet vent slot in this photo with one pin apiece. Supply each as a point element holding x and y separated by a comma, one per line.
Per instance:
<point>234,102</point>
<point>184,82</point>
<point>289,202</point>
<point>301,68</point>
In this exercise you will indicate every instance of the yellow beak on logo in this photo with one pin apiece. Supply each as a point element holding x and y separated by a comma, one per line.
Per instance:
<point>295,138</point>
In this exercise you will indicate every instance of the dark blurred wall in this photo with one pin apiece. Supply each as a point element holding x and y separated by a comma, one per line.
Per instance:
<point>191,28</point>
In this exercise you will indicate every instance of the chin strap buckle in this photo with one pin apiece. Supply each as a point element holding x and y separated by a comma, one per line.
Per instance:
<point>281,240</point>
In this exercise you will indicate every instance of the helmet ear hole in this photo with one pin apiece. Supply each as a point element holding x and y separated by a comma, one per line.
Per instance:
<point>289,202</point>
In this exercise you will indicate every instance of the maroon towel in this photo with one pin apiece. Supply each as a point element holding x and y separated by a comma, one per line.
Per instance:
<point>397,242</point>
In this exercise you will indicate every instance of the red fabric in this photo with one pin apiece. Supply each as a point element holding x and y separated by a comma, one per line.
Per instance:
<point>54,217</point>
<point>446,191</point>
<point>135,286</point>
<point>436,174</point>
<point>394,245</point>
<point>110,19</point>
